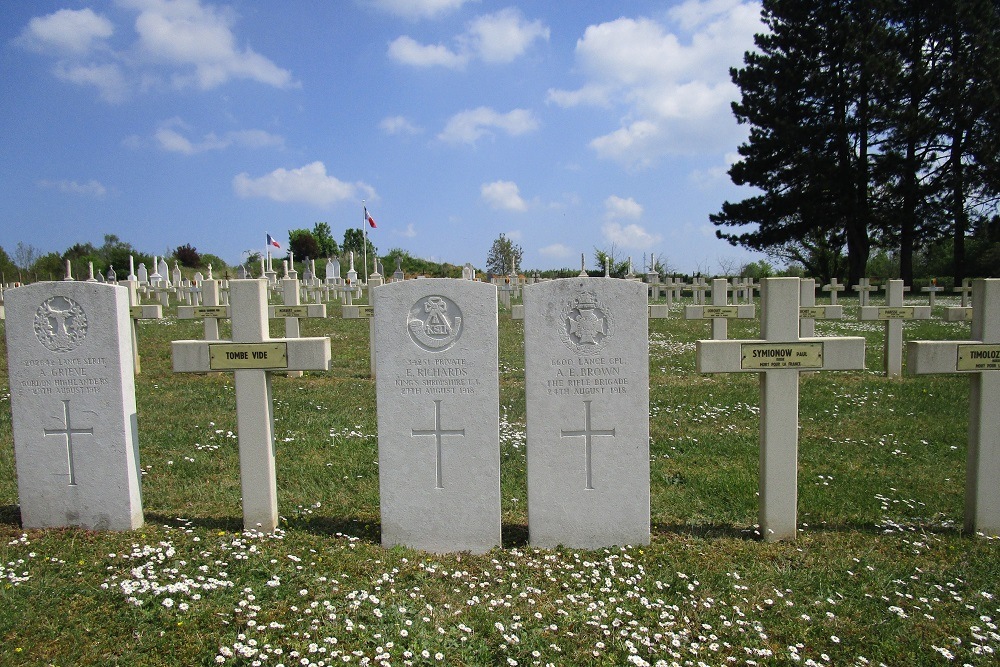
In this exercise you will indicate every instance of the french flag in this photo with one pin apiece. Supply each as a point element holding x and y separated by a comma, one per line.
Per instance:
<point>271,241</point>
<point>369,218</point>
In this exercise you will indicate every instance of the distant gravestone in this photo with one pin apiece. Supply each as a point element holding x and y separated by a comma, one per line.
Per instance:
<point>809,312</point>
<point>438,414</point>
<point>979,358</point>
<point>720,312</point>
<point>864,288</point>
<point>73,406</point>
<point>586,348</point>
<point>965,289</point>
<point>894,313</point>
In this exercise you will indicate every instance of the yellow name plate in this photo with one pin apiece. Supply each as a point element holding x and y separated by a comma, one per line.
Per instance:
<point>812,312</point>
<point>234,356</point>
<point>291,311</point>
<point>898,313</point>
<point>978,358</point>
<point>210,311</point>
<point>766,356</point>
<point>366,311</point>
<point>135,312</point>
<point>728,312</point>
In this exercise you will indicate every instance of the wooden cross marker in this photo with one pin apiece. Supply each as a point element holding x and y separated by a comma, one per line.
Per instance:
<point>809,312</point>
<point>779,358</point>
<point>720,312</point>
<point>252,355</point>
<point>980,359</point>
<point>833,288</point>
<point>894,313</point>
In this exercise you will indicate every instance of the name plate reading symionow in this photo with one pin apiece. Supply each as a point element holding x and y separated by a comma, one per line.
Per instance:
<point>291,311</point>
<point>812,312</point>
<point>210,311</point>
<point>781,355</point>
<point>235,356</point>
<point>978,357</point>
<point>729,312</point>
<point>898,313</point>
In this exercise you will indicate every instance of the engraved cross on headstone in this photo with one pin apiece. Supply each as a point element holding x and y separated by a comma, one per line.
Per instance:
<point>438,433</point>
<point>588,432</point>
<point>69,432</point>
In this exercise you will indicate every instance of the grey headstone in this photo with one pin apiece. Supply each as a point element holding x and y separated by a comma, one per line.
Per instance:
<point>586,351</point>
<point>438,414</point>
<point>73,406</point>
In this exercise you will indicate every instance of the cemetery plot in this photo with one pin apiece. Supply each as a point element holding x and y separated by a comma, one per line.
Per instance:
<point>252,354</point>
<point>73,406</point>
<point>438,414</point>
<point>720,311</point>
<point>779,358</point>
<point>586,377</point>
<point>894,313</point>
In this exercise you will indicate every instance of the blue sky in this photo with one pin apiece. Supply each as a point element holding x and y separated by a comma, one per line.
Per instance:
<point>567,125</point>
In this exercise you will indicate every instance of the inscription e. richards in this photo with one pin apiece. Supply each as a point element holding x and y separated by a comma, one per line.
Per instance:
<point>586,352</point>
<point>438,399</point>
<point>69,348</point>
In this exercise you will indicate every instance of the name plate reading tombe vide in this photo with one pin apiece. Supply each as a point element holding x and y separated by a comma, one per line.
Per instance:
<point>781,355</point>
<point>235,356</point>
<point>898,313</point>
<point>291,311</point>
<point>978,358</point>
<point>210,311</point>
<point>728,312</point>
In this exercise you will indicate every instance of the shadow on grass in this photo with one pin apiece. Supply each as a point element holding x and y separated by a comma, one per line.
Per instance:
<point>364,530</point>
<point>10,515</point>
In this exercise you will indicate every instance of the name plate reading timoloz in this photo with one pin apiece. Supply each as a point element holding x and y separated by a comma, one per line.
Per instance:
<point>978,358</point>
<point>233,356</point>
<point>781,355</point>
<point>210,311</point>
<point>291,311</point>
<point>728,312</point>
<point>898,313</point>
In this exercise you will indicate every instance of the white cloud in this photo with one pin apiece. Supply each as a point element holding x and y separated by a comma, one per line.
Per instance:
<point>500,37</point>
<point>170,139</point>
<point>399,125</point>
<point>629,236</point>
<point>67,30</point>
<point>503,36</point>
<point>556,250</point>
<point>469,126</point>
<point>409,232</point>
<point>617,207</point>
<point>503,195</point>
<point>671,80</point>
<point>408,51</point>
<point>91,188</point>
<point>418,9</point>
<point>309,184</point>
<point>193,44</point>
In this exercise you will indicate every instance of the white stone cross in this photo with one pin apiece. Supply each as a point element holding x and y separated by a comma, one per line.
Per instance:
<point>253,355</point>
<point>438,432</point>
<point>720,312</point>
<point>863,288</point>
<point>779,358</point>
<point>363,312</point>
<point>980,359</point>
<point>809,312</point>
<point>932,291</point>
<point>893,314</point>
<point>588,433</point>
<point>965,290</point>
<point>833,287</point>
<point>138,311</point>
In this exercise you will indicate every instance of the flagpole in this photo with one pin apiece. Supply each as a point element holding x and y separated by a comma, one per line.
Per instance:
<point>364,235</point>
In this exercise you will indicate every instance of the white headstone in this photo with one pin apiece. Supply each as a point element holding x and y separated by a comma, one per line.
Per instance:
<point>586,349</point>
<point>779,358</point>
<point>980,359</point>
<point>438,414</point>
<point>73,405</point>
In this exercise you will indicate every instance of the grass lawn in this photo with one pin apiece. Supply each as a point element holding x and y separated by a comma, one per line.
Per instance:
<point>880,572</point>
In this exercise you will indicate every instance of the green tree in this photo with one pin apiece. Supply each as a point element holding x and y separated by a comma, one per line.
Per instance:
<point>354,239</point>
<point>302,244</point>
<point>324,240</point>
<point>617,265</point>
<point>188,256</point>
<point>8,270</point>
<point>504,257</point>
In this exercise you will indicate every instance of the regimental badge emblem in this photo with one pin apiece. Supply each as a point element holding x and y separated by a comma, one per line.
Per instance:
<point>60,324</point>
<point>587,324</point>
<point>434,323</point>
